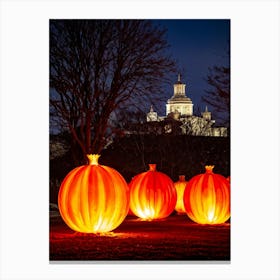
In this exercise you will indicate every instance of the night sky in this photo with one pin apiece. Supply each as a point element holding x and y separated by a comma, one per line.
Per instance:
<point>196,45</point>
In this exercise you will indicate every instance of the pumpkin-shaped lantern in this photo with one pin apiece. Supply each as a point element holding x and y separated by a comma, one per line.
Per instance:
<point>180,188</point>
<point>207,198</point>
<point>152,194</point>
<point>93,198</point>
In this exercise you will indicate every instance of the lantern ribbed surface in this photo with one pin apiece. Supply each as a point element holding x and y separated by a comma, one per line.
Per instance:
<point>152,195</point>
<point>93,198</point>
<point>207,198</point>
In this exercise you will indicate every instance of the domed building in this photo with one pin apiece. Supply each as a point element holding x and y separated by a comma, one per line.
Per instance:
<point>179,102</point>
<point>180,108</point>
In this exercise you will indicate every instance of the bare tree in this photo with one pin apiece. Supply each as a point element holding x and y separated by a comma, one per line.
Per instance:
<point>96,66</point>
<point>219,94</point>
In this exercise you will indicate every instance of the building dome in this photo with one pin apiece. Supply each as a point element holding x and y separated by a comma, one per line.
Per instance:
<point>179,101</point>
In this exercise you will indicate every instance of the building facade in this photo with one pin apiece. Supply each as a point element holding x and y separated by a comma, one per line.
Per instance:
<point>180,108</point>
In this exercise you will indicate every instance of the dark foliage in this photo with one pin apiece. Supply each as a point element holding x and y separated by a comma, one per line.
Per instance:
<point>174,155</point>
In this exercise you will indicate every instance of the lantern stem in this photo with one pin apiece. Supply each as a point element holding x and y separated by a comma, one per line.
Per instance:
<point>93,159</point>
<point>209,168</point>
<point>182,178</point>
<point>152,167</point>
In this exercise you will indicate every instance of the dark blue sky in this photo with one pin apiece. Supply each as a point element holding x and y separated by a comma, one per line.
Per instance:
<point>197,45</point>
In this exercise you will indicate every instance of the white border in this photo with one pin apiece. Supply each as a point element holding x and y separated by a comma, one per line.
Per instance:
<point>255,138</point>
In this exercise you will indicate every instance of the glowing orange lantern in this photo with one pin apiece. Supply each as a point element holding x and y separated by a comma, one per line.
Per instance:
<point>93,198</point>
<point>207,198</point>
<point>152,194</point>
<point>180,188</point>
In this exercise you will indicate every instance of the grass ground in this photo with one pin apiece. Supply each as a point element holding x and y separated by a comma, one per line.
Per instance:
<point>174,238</point>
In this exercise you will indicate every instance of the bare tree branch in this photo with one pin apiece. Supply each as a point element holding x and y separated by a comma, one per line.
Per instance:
<point>219,94</point>
<point>98,65</point>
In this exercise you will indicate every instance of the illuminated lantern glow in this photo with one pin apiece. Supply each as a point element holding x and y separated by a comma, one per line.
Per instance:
<point>93,198</point>
<point>180,188</point>
<point>152,194</point>
<point>207,198</point>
